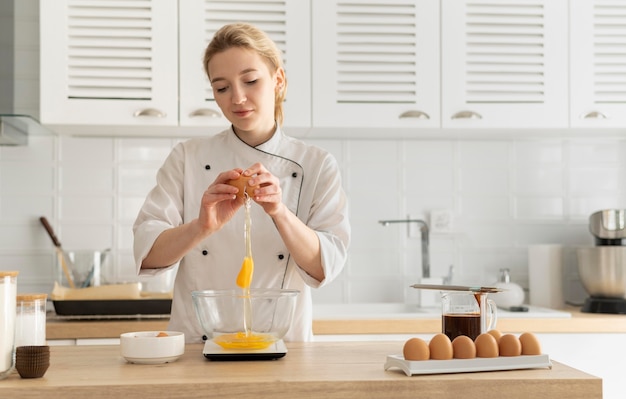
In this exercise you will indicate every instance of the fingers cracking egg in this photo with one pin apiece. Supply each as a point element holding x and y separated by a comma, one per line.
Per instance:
<point>242,184</point>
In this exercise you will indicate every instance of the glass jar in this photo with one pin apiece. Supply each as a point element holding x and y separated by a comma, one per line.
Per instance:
<point>8,294</point>
<point>30,321</point>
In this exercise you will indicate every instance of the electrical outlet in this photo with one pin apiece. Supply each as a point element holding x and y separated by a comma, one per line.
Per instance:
<point>441,221</point>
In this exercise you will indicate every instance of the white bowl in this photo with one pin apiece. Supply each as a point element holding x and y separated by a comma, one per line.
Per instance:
<point>147,347</point>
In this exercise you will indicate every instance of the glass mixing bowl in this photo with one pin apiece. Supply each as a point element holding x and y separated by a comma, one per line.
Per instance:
<point>236,321</point>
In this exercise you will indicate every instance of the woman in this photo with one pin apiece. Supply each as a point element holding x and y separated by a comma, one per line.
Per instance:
<point>300,229</point>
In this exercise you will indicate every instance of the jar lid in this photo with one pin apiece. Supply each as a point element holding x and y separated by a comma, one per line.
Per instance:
<point>8,274</point>
<point>31,297</point>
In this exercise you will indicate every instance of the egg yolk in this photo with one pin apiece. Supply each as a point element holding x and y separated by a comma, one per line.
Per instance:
<point>242,340</point>
<point>244,278</point>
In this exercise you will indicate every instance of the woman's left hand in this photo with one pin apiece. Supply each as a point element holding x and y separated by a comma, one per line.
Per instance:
<point>269,194</point>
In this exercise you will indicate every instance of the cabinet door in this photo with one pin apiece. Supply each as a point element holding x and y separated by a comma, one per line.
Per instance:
<point>109,63</point>
<point>597,66</point>
<point>504,63</point>
<point>375,64</point>
<point>286,22</point>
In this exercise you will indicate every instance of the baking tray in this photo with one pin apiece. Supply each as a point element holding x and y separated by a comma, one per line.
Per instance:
<point>112,307</point>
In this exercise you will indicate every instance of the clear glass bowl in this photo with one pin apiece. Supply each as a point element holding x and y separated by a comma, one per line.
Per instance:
<point>222,315</point>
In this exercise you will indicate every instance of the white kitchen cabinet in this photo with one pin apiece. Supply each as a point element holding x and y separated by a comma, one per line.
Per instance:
<point>597,60</point>
<point>139,63</point>
<point>108,63</point>
<point>504,64</point>
<point>375,64</point>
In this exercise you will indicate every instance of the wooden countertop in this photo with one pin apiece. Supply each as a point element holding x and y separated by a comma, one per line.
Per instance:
<point>578,323</point>
<point>332,370</point>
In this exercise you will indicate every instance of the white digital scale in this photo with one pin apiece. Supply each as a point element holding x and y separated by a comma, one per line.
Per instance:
<point>213,351</point>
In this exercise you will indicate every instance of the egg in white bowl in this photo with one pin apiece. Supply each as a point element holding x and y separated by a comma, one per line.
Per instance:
<point>152,347</point>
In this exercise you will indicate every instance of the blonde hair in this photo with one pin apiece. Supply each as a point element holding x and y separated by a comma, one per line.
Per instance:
<point>250,37</point>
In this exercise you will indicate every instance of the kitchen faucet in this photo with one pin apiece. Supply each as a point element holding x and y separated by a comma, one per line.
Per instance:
<point>424,231</point>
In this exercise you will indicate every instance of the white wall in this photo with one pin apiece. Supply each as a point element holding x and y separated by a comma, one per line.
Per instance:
<point>504,195</point>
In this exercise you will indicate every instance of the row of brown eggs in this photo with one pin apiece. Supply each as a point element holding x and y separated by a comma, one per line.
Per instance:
<point>487,345</point>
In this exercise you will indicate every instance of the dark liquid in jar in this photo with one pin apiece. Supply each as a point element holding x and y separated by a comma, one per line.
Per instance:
<point>461,324</point>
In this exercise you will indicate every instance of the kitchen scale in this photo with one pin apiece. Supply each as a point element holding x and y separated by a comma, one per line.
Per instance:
<point>213,351</point>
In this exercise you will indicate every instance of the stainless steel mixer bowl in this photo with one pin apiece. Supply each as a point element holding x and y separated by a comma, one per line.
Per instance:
<point>608,223</point>
<point>602,270</point>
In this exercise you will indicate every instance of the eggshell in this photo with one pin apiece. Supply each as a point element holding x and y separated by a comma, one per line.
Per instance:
<point>496,334</point>
<point>486,346</point>
<point>510,345</point>
<point>416,349</point>
<point>530,344</point>
<point>463,347</point>
<point>242,184</point>
<point>440,347</point>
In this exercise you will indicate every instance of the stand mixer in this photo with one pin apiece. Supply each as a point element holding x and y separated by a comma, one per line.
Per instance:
<point>602,268</point>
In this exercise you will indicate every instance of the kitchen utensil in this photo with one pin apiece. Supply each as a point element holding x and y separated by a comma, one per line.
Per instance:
<point>467,313</point>
<point>220,315</point>
<point>62,256</point>
<point>152,347</point>
<point>94,271</point>
<point>444,287</point>
<point>512,294</point>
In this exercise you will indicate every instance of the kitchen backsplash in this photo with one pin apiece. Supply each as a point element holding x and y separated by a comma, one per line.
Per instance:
<point>502,195</point>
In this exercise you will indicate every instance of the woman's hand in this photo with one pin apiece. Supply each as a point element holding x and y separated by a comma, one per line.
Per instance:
<point>269,195</point>
<point>219,203</point>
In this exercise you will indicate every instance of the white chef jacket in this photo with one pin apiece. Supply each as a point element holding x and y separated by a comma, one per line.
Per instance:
<point>311,189</point>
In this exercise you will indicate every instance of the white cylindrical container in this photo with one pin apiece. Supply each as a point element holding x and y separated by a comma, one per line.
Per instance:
<point>545,276</point>
<point>8,293</point>
<point>30,321</point>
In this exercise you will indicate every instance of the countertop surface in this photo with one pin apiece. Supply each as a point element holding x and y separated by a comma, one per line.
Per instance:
<point>329,370</point>
<point>359,324</point>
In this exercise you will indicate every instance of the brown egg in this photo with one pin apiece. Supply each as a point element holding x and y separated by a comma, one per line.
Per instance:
<point>530,344</point>
<point>416,349</point>
<point>440,347</point>
<point>463,347</point>
<point>496,334</point>
<point>486,346</point>
<point>509,345</point>
<point>242,184</point>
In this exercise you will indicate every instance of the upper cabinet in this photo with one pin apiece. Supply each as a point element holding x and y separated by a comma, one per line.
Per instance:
<point>355,68</point>
<point>598,63</point>
<point>139,63</point>
<point>376,64</point>
<point>109,63</point>
<point>504,63</point>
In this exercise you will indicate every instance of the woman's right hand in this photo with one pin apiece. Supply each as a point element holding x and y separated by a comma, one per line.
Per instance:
<point>219,202</point>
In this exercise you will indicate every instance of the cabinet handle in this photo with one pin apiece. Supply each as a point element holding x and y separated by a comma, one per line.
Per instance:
<point>205,112</point>
<point>467,115</point>
<point>595,115</point>
<point>152,112</point>
<point>414,114</point>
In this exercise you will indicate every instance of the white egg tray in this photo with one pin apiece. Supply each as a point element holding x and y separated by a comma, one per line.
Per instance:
<point>413,367</point>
